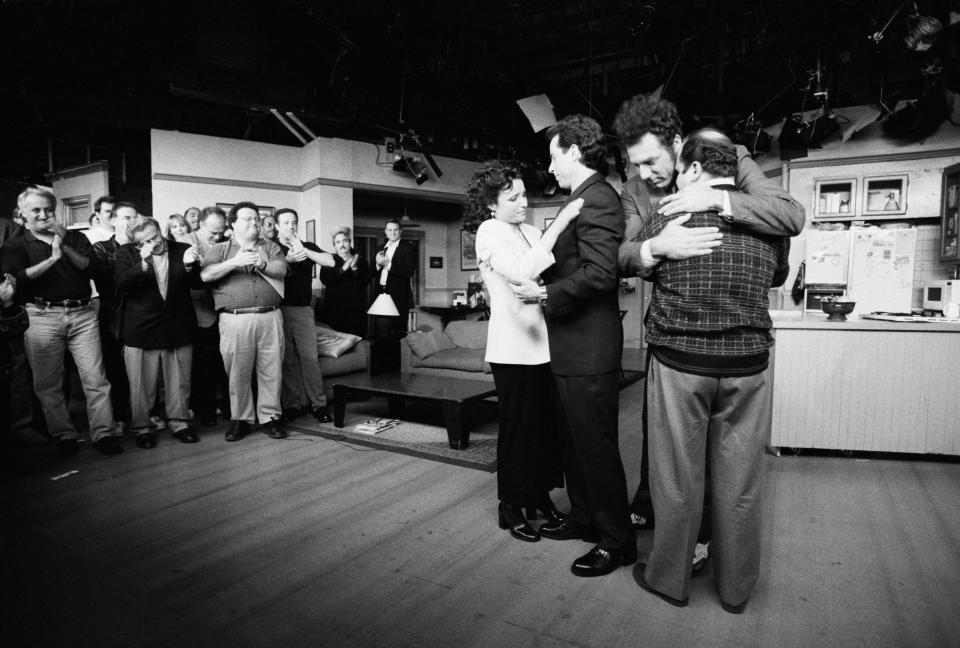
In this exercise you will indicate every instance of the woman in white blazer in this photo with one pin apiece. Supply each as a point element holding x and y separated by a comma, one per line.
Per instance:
<point>510,250</point>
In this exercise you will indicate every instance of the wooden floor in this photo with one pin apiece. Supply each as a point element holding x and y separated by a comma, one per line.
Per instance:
<point>311,542</point>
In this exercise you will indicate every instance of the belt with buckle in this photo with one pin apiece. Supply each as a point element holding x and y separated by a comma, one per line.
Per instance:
<point>66,303</point>
<point>249,311</point>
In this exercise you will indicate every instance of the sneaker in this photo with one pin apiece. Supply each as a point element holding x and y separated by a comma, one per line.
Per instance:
<point>701,554</point>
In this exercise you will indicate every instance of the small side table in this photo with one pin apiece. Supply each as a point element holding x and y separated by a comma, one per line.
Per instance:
<point>385,353</point>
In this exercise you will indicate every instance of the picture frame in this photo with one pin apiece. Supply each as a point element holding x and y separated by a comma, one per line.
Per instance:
<point>885,195</point>
<point>263,210</point>
<point>468,251</point>
<point>311,231</point>
<point>835,198</point>
<point>436,262</point>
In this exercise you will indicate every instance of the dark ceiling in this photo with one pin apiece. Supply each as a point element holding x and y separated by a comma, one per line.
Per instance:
<point>93,77</point>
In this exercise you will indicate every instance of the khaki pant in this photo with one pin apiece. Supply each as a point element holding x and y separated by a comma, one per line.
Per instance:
<point>252,343</point>
<point>143,369</point>
<point>687,414</point>
<point>302,380</point>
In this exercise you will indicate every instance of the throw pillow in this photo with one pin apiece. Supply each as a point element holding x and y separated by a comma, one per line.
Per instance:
<point>333,344</point>
<point>426,343</point>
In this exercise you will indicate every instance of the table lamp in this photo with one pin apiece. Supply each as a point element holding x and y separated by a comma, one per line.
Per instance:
<point>383,305</point>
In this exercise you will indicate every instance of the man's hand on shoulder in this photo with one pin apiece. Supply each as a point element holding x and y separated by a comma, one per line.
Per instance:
<point>696,197</point>
<point>677,242</point>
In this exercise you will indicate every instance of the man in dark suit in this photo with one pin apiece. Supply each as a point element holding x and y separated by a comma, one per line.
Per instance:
<point>157,325</point>
<point>586,340</point>
<point>396,263</point>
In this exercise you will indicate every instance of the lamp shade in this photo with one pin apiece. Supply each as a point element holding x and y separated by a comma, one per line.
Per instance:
<point>384,306</point>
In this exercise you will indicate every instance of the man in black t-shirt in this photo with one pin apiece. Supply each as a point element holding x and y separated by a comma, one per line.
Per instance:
<point>302,381</point>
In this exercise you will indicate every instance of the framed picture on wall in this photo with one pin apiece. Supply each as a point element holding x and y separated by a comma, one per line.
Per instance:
<point>468,250</point>
<point>263,210</point>
<point>311,231</point>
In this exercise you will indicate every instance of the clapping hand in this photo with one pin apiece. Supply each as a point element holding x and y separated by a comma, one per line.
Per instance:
<point>245,258</point>
<point>191,256</point>
<point>8,288</point>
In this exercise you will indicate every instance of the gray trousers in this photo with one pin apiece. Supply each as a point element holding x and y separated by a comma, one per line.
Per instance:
<point>686,414</point>
<point>302,380</point>
<point>143,369</point>
<point>252,345</point>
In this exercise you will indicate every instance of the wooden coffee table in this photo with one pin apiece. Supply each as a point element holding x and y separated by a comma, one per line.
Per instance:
<point>453,394</point>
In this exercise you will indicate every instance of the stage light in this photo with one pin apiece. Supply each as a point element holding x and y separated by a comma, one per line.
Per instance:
<point>750,133</point>
<point>923,32</point>
<point>413,166</point>
<point>793,142</point>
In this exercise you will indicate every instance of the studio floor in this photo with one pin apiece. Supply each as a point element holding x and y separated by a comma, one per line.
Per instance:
<point>314,542</point>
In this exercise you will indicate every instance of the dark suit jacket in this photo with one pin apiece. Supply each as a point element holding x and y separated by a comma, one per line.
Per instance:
<point>582,308</point>
<point>402,267</point>
<point>147,320</point>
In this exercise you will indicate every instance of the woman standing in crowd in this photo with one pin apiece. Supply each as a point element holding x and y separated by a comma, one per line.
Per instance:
<point>508,249</point>
<point>345,300</point>
<point>178,229</point>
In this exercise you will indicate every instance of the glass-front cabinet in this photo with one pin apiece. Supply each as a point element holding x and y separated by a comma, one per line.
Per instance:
<point>950,215</point>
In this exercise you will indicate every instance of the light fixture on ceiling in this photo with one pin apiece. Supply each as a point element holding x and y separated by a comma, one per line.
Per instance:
<point>793,142</point>
<point>749,133</point>
<point>923,32</point>
<point>411,165</point>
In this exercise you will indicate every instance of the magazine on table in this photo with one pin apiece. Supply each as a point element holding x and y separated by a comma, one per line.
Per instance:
<point>375,425</point>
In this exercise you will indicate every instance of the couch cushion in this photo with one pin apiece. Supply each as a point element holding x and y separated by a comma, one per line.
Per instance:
<point>468,334</point>
<point>333,344</point>
<point>425,343</point>
<point>457,358</point>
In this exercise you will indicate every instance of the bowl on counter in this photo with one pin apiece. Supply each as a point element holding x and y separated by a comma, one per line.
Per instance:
<point>837,310</point>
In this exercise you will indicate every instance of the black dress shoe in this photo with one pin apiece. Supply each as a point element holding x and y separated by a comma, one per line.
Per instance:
<point>275,429</point>
<point>237,430</point>
<point>567,530</point>
<point>733,609</point>
<point>146,440</point>
<point>511,517</point>
<point>598,562</point>
<point>109,445</point>
<point>186,435</point>
<point>322,414</point>
<point>638,570</point>
<point>547,511</point>
<point>292,413</point>
<point>66,447</point>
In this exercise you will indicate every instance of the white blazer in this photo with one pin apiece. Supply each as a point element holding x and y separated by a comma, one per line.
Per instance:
<point>517,333</point>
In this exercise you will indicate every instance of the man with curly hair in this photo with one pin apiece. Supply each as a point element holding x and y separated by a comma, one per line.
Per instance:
<point>586,341</point>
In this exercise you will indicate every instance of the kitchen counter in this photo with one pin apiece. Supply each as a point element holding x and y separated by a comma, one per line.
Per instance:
<point>818,321</point>
<point>865,384</point>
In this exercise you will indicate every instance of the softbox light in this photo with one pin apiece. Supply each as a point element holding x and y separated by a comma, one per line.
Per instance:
<point>413,166</point>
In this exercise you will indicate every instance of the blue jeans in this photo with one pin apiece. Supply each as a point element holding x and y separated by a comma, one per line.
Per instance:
<point>53,331</point>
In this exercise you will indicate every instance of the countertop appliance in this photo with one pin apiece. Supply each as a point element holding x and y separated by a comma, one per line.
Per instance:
<point>936,294</point>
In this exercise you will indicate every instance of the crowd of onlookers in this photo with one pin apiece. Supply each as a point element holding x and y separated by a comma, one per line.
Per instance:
<point>166,328</point>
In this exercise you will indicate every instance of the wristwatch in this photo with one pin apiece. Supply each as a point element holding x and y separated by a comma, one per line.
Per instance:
<point>543,295</point>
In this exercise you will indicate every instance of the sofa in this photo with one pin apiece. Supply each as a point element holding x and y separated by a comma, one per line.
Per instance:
<point>336,359</point>
<point>455,351</point>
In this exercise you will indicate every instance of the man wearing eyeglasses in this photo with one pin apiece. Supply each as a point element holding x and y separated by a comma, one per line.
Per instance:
<point>208,376</point>
<point>246,275</point>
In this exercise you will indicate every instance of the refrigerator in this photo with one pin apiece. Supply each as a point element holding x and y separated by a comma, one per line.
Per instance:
<point>874,264</point>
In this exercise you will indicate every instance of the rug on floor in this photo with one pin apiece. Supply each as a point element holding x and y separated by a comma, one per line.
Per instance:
<point>420,433</point>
